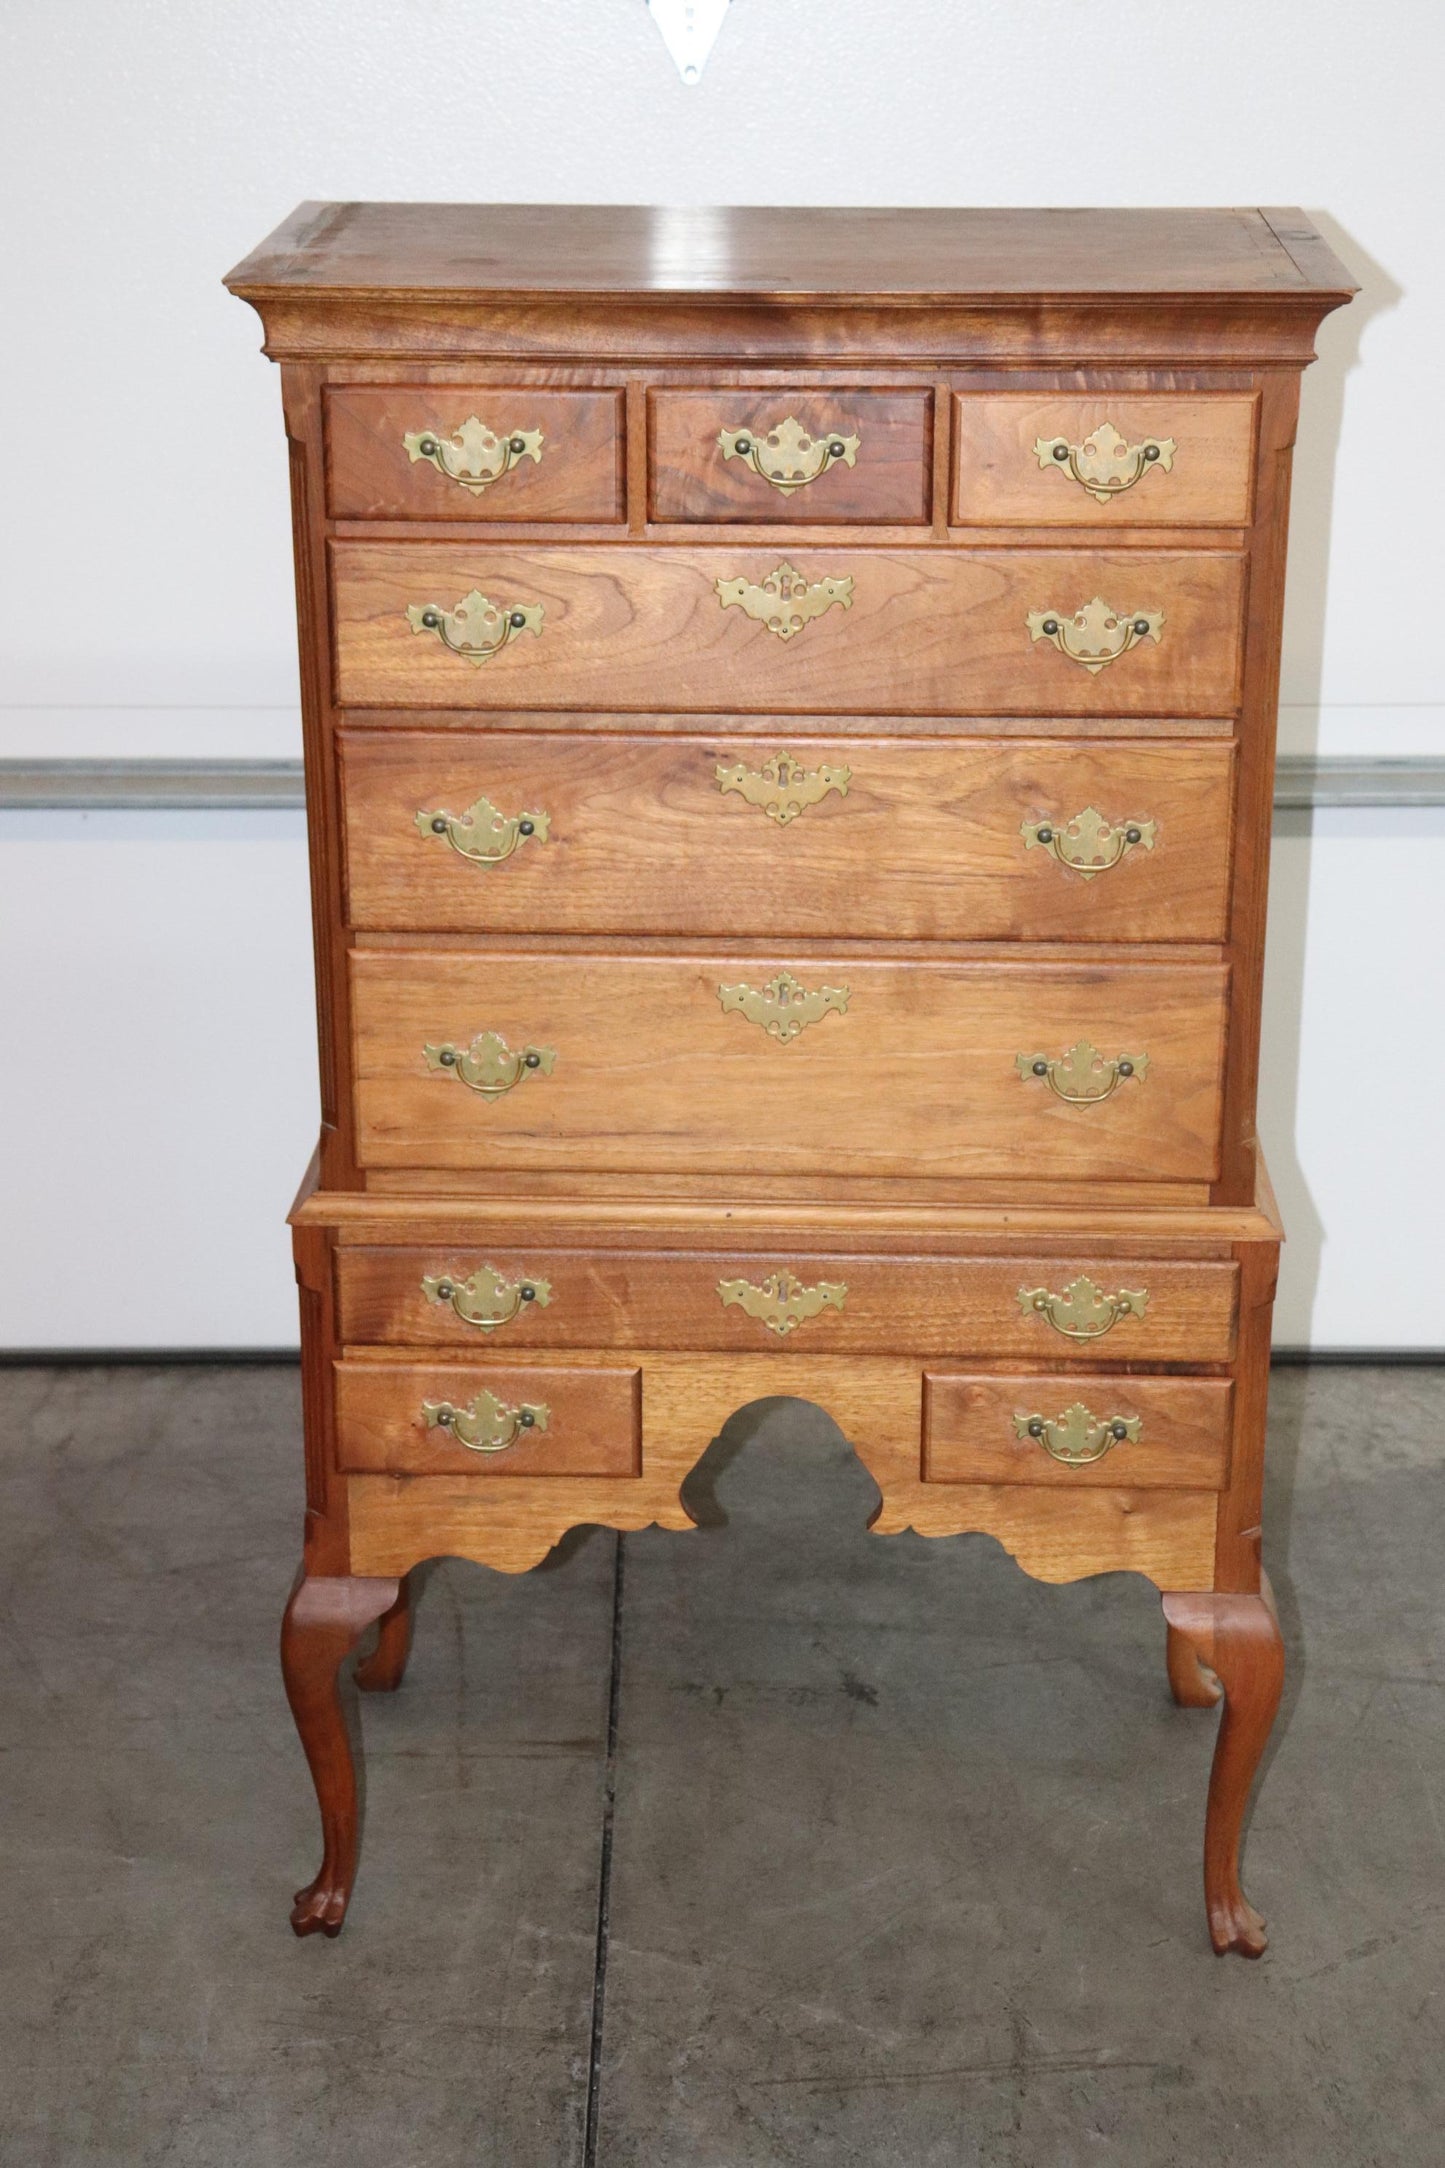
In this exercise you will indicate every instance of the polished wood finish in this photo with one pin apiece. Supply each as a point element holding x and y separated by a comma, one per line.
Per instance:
<point>891,1153</point>
<point>643,840</point>
<point>927,631</point>
<point>579,477</point>
<point>593,1427</point>
<point>382,1670</point>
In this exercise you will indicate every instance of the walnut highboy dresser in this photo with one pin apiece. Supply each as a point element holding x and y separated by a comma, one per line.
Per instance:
<point>789,708</point>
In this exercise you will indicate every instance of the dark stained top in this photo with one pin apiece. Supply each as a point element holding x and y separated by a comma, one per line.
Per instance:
<point>487,251</point>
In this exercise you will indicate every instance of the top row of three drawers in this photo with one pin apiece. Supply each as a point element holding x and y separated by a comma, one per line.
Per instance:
<point>821,456</point>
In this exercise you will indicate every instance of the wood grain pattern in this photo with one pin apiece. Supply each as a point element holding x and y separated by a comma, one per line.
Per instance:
<point>998,479</point>
<point>925,845</point>
<point>894,1305</point>
<point>969,1434</point>
<point>369,474</point>
<point>691,480</point>
<point>593,1428</point>
<point>918,1076</point>
<point>929,631</point>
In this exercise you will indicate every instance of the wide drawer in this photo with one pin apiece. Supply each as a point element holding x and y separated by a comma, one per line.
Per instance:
<point>442,451</point>
<point>448,1418</point>
<point>934,632</point>
<point>766,455</point>
<point>1173,459</point>
<point>1117,1432</point>
<point>1140,1308</point>
<point>975,840</point>
<point>756,1065</point>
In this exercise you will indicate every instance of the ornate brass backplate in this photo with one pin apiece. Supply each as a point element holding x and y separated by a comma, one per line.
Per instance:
<point>1077,1437</point>
<point>1105,464</point>
<point>785,602</point>
<point>1083,1074</point>
<point>783,1007</point>
<point>472,454</point>
<point>1097,634</point>
<point>782,787</point>
<point>488,1299</point>
<point>476,629</point>
<point>786,455</point>
<point>484,835</point>
<point>1083,1311</point>
<point>1088,842</point>
<point>489,1425</point>
<point>781,1302</point>
<point>489,1066</point>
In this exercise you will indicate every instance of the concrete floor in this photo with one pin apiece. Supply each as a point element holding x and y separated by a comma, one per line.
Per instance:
<point>905,1853</point>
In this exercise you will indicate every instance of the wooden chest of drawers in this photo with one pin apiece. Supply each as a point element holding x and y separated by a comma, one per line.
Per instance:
<point>789,736</point>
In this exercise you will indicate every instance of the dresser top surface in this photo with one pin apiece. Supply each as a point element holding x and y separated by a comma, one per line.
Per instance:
<point>488,251</point>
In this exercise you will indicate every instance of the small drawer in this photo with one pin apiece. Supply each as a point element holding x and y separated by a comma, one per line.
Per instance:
<point>515,1300</point>
<point>442,451</point>
<point>449,1418</point>
<point>1174,459</point>
<point>1113,1432</point>
<point>774,456</point>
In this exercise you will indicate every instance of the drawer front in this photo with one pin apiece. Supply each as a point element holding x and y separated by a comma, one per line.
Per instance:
<point>1145,1309</point>
<point>1120,1432</point>
<point>451,1418</point>
<point>1174,459</point>
<point>934,632</point>
<point>767,455</point>
<point>442,451</point>
<point>749,1065</point>
<point>917,840</point>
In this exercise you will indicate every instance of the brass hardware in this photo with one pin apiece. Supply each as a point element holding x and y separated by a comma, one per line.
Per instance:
<point>489,1066</point>
<point>1083,1311</point>
<point>782,1303</point>
<point>487,1299</point>
<point>484,835</point>
<point>472,454</point>
<point>1076,1437</point>
<point>1104,464</point>
<point>783,1007</point>
<point>785,602</point>
<point>1083,1075</point>
<point>1088,842</point>
<point>488,1425</point>
<point>782,787</point>
<point>786,455</point>
<point>1096,634</point>
<point>476,629</point>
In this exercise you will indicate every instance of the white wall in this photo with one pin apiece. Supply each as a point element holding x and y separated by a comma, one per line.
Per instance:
<point>157,1057</point>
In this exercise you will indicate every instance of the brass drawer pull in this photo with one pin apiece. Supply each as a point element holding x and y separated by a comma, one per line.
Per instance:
<point>488,1425</point>
<point>782,1303</point>
<point>1097,634</point>
<point>1083,1075</point>
<point>1105,464</point>
<point>1076,1437</point>
<point>476,629</point>
<point>489,1066</point>
<point>1088,842</point>
<point>786,455</point>
<point>783,1007</point>
<point>782,787</point>
<point>1083,1311</point>
<point>472,455</point>
<point>785,602</point>
<point>484,835</point>
<point>488,1299</point>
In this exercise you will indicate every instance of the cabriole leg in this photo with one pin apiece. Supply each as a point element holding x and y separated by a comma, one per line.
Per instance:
<point>384,1669</point>
<point>324,1620</point>
<point>1239,1639</point>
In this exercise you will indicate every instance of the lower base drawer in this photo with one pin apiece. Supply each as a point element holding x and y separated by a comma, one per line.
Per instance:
<point>448,1418</point>
<point>1137,1433</point>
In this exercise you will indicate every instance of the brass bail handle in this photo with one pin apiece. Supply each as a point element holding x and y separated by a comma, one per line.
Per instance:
<point>1083,1075</point>
<point>1078,1437</point>
<point>489,1425</point>
<point>478,628</point>
<point>488,1299</point>
<point>473,455</point>
<point>489,1066</point>
<point>786,455</point>
<point>1105,464</point>
<point>1088,843</point>
<point>1082,1311</point>
<point>482,834</point>
<point>1095,634</point>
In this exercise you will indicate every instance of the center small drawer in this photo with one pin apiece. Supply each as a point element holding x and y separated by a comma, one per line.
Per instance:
<point>773,456</point>
<point>450,1418</point>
